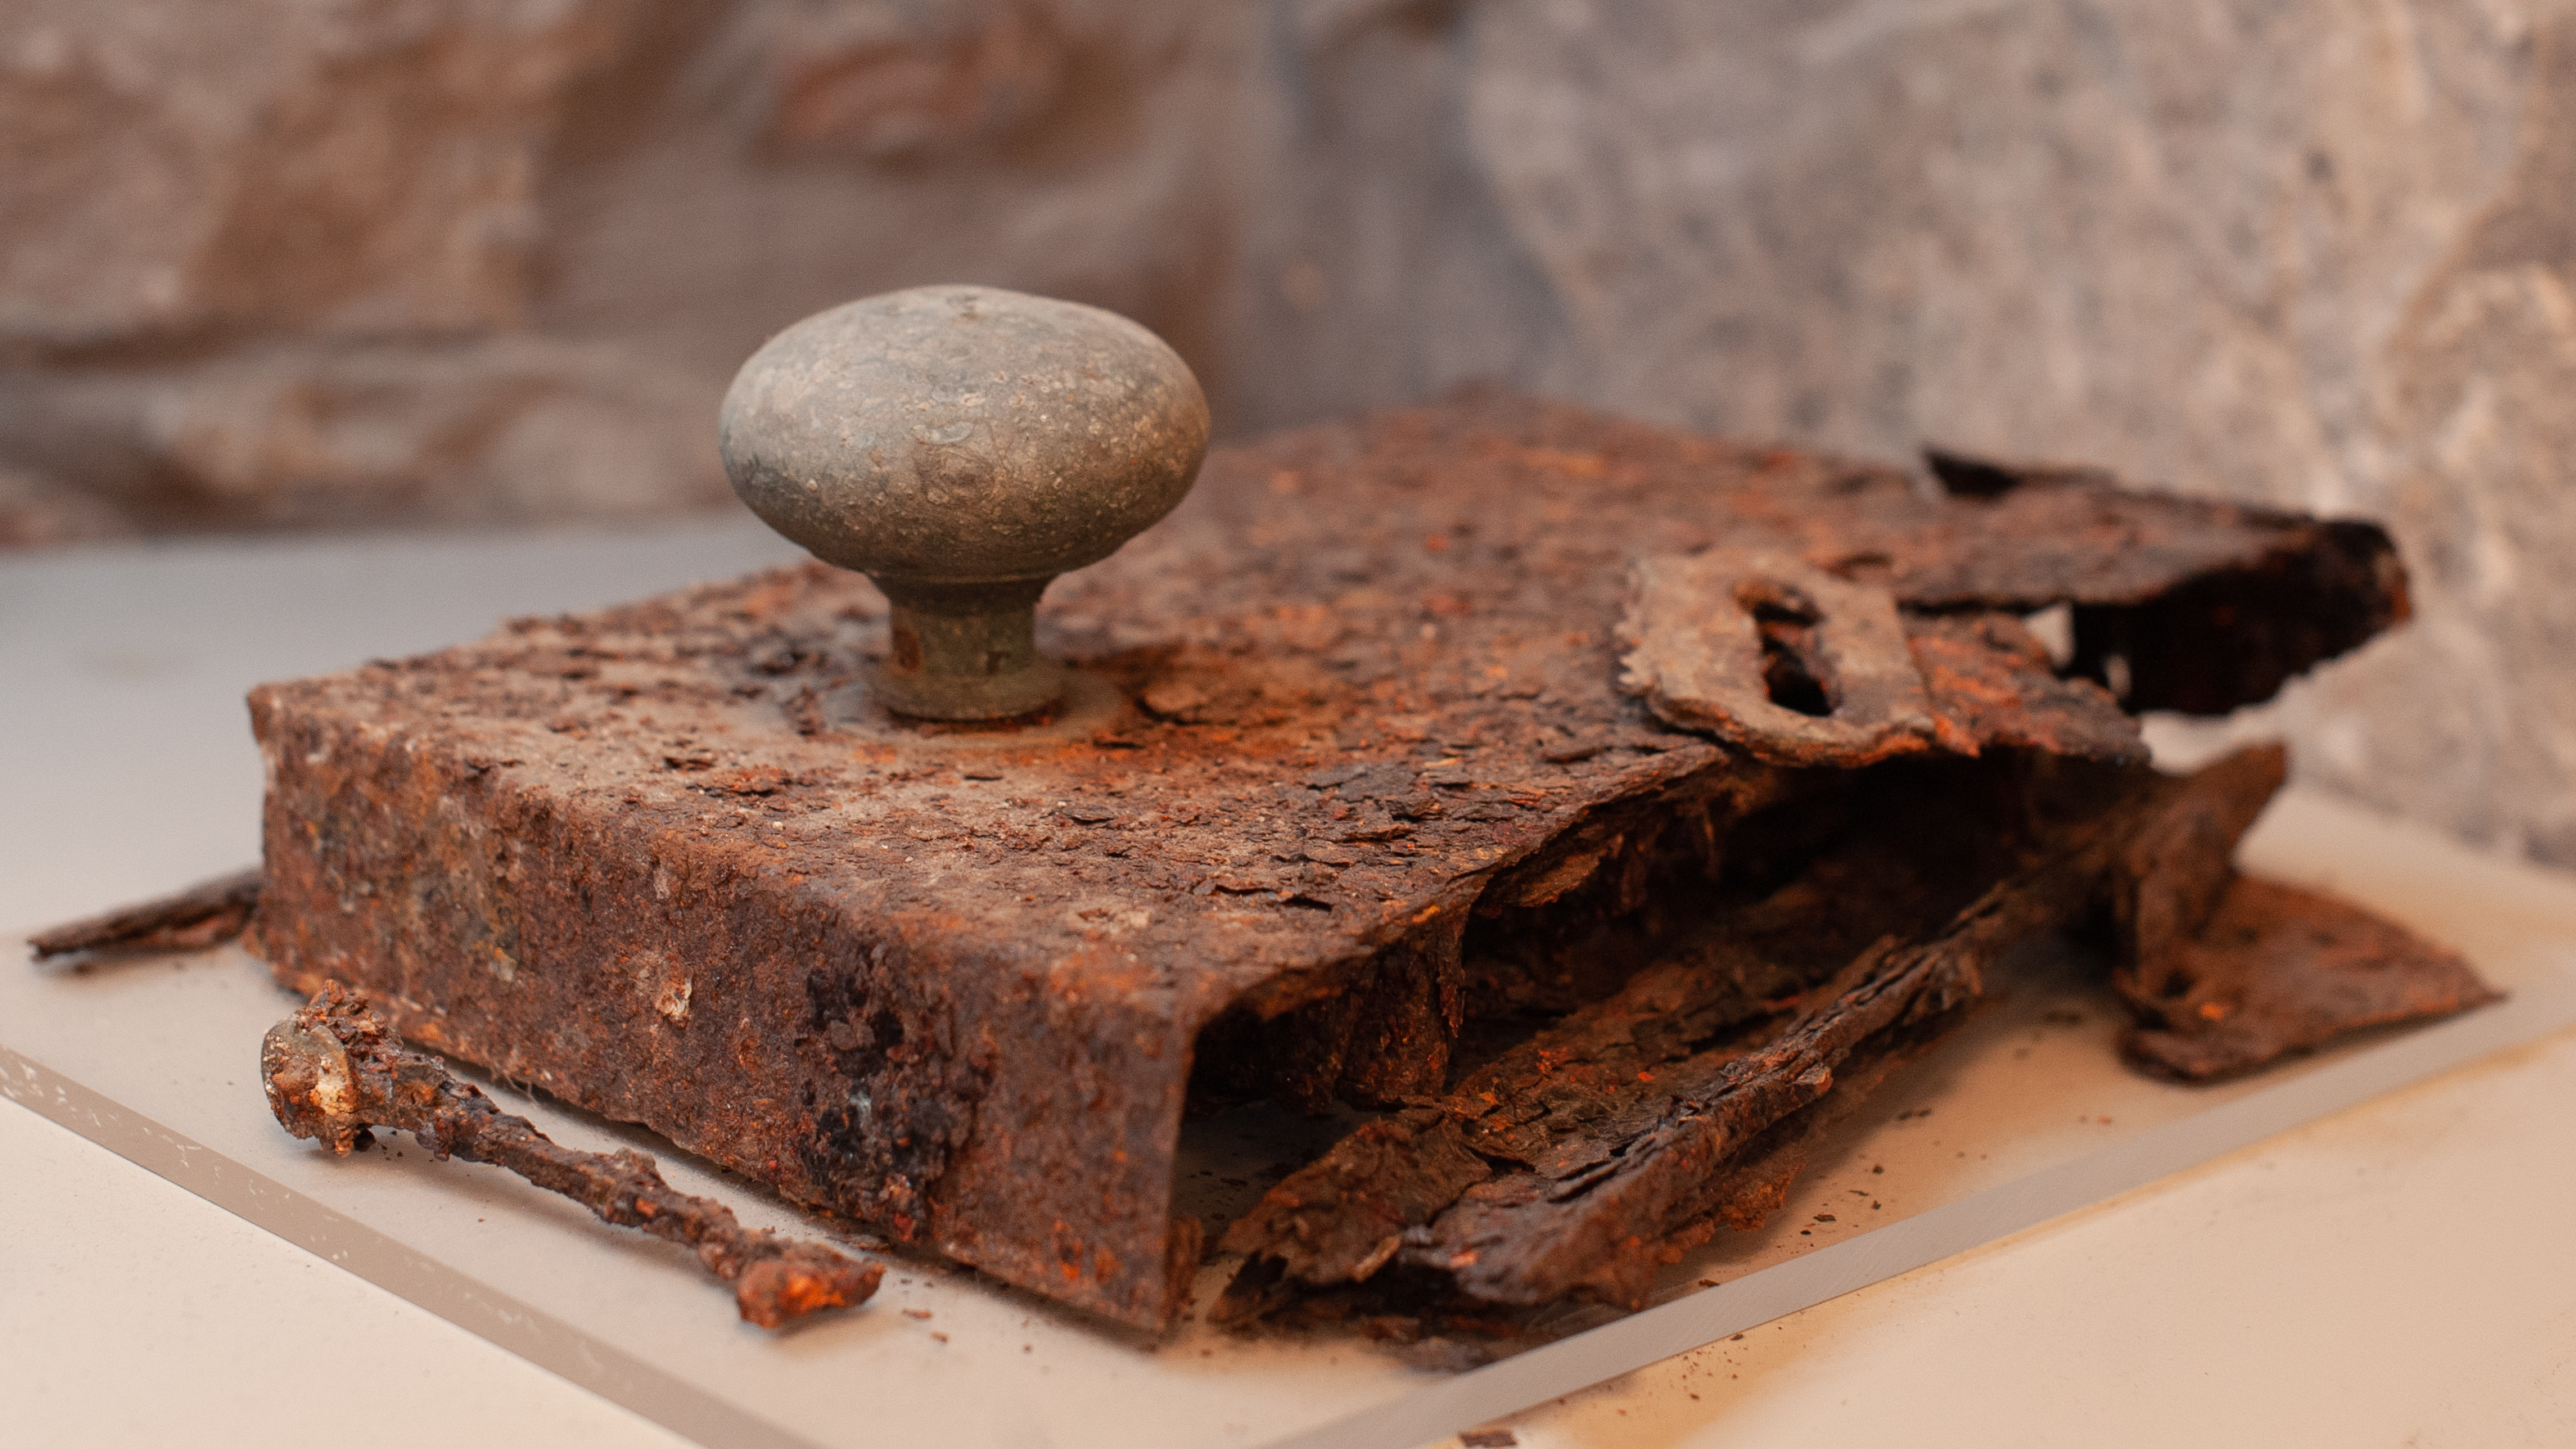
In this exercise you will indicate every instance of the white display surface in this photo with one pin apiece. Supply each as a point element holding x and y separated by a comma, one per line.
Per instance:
<point>134,1313</point>
<point>151,781</point>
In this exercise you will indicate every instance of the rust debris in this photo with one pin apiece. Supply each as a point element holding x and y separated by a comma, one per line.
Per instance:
<point>201,916</point>
<point>333,1071</point>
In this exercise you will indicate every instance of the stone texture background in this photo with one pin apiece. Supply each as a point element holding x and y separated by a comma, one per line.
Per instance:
<point>300,262</point>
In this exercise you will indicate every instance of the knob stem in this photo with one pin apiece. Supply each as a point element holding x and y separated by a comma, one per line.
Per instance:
<point>965,651</point>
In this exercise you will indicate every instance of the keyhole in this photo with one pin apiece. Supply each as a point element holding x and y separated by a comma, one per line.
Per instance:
<point>1792,657</point>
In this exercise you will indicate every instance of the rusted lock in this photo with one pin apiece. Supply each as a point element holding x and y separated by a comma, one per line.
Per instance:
<point>1497,714</point>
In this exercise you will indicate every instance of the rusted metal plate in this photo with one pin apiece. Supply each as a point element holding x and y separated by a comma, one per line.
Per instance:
<point>1355,768</point>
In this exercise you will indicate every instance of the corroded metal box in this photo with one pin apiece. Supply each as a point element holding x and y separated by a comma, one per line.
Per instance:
<point>1357,716</point>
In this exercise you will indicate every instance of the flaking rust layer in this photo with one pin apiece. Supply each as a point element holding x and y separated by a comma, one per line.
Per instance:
<point>1371,689</point>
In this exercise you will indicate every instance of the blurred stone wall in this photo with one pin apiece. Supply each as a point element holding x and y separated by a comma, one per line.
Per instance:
<point>288,262</point>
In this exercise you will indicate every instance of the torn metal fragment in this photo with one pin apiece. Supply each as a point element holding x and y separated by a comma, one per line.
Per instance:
<point>2276,970</point>
<point>2149,573</point>
<point>333,1070</point>
<point>2167,878</point>
<point>1764,651</point>
<point>201,916</point>
<point>2226,972</point>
